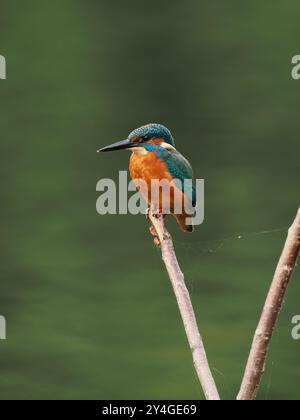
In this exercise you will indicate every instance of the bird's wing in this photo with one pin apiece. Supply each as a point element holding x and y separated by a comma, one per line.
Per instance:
<point>181,169</point>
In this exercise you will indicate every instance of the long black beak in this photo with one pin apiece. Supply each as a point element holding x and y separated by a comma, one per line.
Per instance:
<point>123,144</point>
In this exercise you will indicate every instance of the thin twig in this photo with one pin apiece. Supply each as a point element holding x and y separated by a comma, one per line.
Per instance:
<point>256,362</point>
<point>186,309</point>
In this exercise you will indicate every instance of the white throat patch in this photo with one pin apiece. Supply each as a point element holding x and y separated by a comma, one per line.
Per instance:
<point>138,150</point>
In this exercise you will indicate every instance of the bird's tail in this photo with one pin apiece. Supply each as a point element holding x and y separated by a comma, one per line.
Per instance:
<point>181,220</point>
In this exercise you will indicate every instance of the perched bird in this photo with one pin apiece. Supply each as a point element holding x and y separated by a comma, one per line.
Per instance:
<point>154,157</point>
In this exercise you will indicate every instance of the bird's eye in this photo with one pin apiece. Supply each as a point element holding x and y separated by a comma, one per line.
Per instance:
<point>145,137</point>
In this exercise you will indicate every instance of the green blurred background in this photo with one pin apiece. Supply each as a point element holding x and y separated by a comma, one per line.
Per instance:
<point>89,308</point>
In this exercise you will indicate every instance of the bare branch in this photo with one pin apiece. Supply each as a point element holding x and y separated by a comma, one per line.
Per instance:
<point>287,262</point>
<point>186,309</point>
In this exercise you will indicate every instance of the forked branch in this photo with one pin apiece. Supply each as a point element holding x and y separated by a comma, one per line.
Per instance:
<point>256,361</point>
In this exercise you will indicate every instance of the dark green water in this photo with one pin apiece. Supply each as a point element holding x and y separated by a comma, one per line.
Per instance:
<point>89,309</point>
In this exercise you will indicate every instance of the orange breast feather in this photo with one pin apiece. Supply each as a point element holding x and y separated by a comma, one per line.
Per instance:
<point>147,167</point>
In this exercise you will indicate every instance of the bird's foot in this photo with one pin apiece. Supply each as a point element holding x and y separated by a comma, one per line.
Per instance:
<point>154,212</point>
<point>153,232</point>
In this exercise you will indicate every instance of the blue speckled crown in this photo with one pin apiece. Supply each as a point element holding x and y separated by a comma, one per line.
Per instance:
<point>153,130</point>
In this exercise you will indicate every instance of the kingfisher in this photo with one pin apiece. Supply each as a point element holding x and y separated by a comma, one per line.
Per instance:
<point>154,157</point>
